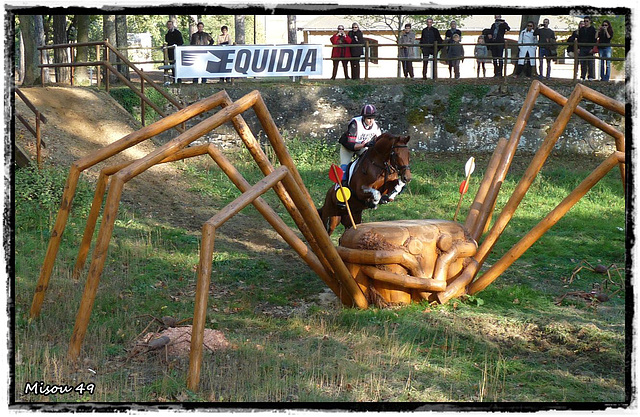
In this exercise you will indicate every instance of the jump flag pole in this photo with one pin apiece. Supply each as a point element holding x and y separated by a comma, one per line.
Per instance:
<point>344,192</point>
<point>469,167</point>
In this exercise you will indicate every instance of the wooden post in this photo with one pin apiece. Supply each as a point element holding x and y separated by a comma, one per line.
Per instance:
<point>366,60</point>
<point>71,49</point>
<point>604,101</point>
<point>97,264</point>
<point>98,67</point>
<point>142,101</point>
<point>41,67</point>
<point>204,268</point>
<point>576,54</point>
<point>54,241</point>
<point>434,67</point>
<point>38,141</point>
<point>545,224</point>
<point>165,60</point>
<point>504,60</point>
<point>141,73</point>
<point>94,212</point>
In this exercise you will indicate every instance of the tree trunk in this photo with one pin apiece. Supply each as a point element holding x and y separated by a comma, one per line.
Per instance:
<point>28,28</point>
<point>21,68</point>
<point>82,73</point>
<point>109,34</point>
<point>41,40</point>
<point>239,21</point>
<point>193,21</point>
<point>291,29</point>
<point>535,18</point>
<point>60,55</point>
<point>122,42</point>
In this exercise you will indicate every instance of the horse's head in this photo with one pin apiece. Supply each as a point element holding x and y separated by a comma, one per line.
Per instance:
<point>399,157</point>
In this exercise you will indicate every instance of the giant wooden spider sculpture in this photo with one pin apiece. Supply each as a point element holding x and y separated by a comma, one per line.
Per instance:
<point>386,262</point>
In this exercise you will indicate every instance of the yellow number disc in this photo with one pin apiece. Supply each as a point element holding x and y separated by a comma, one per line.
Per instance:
<point>340,197</point>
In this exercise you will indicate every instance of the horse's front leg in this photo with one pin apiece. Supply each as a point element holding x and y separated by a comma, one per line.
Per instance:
<point>392,190</point>
<point>373,196</point>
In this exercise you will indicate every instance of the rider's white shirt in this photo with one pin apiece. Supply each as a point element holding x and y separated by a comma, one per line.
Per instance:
<point>366,134</point>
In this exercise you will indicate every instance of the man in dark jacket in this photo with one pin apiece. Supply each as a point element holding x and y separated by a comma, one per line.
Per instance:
<point>587,34</point>
<point>171,38</point>
<point>356,51</point>
<point>201,38</point>
<point>428,37</point>
<point>546,41</point>
<point>495,43</point>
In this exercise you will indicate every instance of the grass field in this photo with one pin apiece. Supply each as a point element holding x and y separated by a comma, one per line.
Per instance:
<point>513,342</point>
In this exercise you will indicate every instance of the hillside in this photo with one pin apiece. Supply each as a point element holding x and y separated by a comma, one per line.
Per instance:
<point>81,121</point>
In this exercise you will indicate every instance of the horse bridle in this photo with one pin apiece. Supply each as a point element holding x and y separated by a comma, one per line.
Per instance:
<point>387,167</point>
<point>402,168</point>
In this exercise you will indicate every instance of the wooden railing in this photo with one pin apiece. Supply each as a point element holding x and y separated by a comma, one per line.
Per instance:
<point>107,67</point>
<point>21,156</point>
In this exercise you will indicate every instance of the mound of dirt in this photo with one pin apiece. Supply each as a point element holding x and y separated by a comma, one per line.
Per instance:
<point>177,341</point>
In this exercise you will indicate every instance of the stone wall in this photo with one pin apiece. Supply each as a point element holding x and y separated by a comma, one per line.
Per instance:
<point>440,117</point>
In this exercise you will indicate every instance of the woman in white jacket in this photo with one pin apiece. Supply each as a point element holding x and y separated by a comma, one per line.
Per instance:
<point>527,49</point>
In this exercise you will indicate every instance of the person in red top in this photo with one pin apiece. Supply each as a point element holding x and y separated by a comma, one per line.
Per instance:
<point>340,38</point>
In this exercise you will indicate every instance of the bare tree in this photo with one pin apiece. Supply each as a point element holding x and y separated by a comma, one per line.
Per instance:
<point>193,21</point>
<point>239,22</point>
<point>21,68</point>
<point>81,74</point>
<point>291,29</point>
<point>122,42</point>
<point>33,36</point>
<point>109,34</point>
<point>535,18</point>
<point>60,55</point>
<point>41,39</point>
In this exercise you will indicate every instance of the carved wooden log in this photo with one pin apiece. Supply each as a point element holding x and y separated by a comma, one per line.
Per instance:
<point>396,262</point>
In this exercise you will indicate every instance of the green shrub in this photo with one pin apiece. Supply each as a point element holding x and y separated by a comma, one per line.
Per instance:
<point>359,91</point>
<point>131,102</point>
<point>38,191</point>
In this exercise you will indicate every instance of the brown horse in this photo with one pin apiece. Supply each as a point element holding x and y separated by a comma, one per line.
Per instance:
<point>378,176</point>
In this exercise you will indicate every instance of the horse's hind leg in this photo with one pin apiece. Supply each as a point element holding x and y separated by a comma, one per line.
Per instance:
<point>332,223</point>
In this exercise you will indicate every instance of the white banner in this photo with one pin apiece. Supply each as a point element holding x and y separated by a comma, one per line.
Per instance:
<point>248,61</point>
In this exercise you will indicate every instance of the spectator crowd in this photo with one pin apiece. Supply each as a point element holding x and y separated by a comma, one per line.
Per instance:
<point>537,49</point>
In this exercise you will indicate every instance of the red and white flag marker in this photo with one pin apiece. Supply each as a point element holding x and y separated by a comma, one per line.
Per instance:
<point>469,167</point>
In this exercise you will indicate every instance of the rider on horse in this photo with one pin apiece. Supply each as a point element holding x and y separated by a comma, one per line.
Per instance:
<point>361,134</point>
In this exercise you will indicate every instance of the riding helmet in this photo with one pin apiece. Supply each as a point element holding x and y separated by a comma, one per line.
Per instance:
<point>369,110</point>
